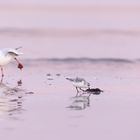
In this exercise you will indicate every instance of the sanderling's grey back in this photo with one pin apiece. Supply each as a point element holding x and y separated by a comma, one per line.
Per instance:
<point>77,79</point>
<point>79,83</point>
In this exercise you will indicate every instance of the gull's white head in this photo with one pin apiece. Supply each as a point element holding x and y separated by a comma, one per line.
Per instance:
<point>8,54</point>
<point>12,52</point>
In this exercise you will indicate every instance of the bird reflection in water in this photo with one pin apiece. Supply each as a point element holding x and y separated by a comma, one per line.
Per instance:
<point>80,102</point>
<point>11,99</point>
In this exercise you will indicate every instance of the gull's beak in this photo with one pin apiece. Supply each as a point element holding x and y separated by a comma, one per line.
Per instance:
<point>18,48</point>
<point>19,53</point>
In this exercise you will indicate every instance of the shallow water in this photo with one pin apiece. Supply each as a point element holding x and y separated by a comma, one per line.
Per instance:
<point>48,109</point>
<point>38,102</point>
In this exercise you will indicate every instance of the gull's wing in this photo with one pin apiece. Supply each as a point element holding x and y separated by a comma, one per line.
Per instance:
<point>12,51</point>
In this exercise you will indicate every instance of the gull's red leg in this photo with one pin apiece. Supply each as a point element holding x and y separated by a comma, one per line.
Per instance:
<point>2,74</point>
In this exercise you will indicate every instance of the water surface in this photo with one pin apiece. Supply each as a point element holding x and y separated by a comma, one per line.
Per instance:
<point>53,111</point>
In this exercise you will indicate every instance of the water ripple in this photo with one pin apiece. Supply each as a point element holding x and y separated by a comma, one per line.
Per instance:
<point>11,100</point>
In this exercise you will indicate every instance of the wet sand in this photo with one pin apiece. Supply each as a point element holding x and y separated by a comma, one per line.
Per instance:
<point>44,105</point>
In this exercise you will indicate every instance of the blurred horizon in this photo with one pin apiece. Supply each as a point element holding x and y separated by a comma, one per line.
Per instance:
<point>61,29</point>
<point>102,14</point>
<point>74,2</point>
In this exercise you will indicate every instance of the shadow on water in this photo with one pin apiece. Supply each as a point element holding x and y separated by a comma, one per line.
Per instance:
<point>11,99</point>
<point>79,102</point>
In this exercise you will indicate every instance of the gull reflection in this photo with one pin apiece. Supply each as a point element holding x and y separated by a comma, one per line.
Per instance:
<point>11,99</point>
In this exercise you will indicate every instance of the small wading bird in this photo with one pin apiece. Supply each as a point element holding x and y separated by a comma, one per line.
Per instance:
<point>79,83</point>
<point>6,56</point>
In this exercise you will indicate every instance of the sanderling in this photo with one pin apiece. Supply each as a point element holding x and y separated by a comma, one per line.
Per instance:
<point>7,55</point>
<point>79,83</point>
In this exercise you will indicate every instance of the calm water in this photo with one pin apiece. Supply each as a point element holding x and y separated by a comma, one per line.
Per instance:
<point>40,103</point>
<point>44,104</point>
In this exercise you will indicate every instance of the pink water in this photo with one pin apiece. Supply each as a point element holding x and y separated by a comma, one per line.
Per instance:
<point>43,106</point>
<point>44,109</point>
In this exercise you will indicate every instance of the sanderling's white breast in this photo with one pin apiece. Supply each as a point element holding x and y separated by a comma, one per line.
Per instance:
<point>79,83</point>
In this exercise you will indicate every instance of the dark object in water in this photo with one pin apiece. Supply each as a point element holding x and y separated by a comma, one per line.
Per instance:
<point>19,83</point>
<point>20,66</point>
<point>48,74</point>
<point>58,74</point>
<point>95,91</point>
<point>29,92</point>
<point>50,79</point>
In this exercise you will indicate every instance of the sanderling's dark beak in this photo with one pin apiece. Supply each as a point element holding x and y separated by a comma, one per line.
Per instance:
<point>68,79</point>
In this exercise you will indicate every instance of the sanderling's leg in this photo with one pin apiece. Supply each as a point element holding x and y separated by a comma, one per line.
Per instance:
<point>81,89</point>
<point>77,91</point>
<point>89,95</point>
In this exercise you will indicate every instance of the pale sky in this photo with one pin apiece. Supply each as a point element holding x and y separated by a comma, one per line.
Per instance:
<point>67,2</point>
<point>113,31</point>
